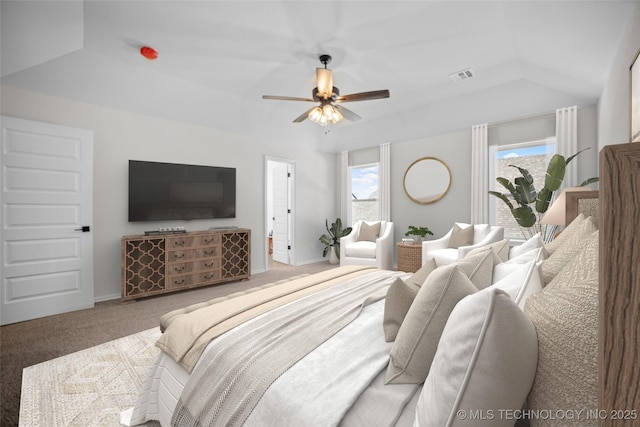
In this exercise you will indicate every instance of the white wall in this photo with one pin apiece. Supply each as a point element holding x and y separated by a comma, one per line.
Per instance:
<point>613,106</point>
<point>454,150</point>
<point>120,136</point>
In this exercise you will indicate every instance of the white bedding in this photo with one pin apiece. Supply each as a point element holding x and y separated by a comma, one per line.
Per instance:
<point>354,359</point>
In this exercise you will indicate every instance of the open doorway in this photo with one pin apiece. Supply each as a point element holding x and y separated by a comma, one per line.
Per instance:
<point>279,222</point>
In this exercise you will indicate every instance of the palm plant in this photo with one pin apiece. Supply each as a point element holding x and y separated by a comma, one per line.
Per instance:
<point>332,238</point>
<point>527,205</point>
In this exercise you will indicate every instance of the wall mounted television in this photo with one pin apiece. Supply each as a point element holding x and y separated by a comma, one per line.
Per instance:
<point>171,191</point>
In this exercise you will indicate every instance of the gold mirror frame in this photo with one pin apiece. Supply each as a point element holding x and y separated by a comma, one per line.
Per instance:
<point>427,180</point>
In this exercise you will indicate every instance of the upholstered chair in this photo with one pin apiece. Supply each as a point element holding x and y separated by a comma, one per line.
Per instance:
<point>459,241</point>
<point>369,243</point>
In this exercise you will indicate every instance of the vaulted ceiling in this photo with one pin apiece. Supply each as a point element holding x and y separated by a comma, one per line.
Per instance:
<point>217,59</point>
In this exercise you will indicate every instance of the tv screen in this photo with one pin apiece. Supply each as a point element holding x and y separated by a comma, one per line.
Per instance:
<point>170,191</point>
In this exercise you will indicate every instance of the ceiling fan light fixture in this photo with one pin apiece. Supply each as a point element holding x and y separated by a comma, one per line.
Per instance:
<point>325,115</point>
<point>324,79</point>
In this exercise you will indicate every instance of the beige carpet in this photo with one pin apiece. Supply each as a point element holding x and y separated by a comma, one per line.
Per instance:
<point>90,387</point>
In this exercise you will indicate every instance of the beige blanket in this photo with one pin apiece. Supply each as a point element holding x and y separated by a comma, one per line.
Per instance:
<point>189,333</point>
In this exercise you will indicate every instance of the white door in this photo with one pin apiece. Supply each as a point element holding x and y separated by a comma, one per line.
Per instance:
<point>46,215</point>
<point>281,213</point>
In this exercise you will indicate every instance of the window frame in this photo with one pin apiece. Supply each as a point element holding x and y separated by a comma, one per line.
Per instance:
<point>550,149</point>
<point>350,217</point>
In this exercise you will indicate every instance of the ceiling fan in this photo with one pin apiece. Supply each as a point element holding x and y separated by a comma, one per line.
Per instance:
<point>329,111</point>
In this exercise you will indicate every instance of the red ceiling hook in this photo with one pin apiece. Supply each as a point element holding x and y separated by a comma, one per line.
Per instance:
<point>148,52</point>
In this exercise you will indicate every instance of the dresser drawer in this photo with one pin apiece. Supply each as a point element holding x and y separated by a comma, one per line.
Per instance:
<point>178,268</point>
<point>210,252</point>
<point>207,264</point>
<point>179,242</point>
<point>207,240</point>
<point>181,255</point>
<point>190,280</point>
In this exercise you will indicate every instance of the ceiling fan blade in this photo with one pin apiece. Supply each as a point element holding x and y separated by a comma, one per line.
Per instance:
<point>324,81</point>
<point>286,98</point>
<point>303,116</point>
<point>346,113</point>
<point>364,96</point>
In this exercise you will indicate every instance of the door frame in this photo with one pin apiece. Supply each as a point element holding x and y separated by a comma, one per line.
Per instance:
<point>268,197</point>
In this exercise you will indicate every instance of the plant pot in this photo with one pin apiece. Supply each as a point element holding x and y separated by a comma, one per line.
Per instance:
<point>333,259</point>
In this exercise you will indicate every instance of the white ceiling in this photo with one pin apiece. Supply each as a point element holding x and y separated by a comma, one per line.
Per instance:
<point>217,58</point>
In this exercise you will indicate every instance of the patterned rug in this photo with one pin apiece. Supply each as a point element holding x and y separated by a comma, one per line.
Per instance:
<point>90,387</point>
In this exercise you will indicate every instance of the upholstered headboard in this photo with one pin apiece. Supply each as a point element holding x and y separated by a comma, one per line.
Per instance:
<point>582,202</point>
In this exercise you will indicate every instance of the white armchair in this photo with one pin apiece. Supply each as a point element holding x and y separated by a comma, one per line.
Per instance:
<point>483,234</point>
<point>363,246</point>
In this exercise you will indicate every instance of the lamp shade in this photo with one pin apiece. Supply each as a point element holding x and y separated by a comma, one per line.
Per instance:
<point>325,82</point>
<point>557,213</point>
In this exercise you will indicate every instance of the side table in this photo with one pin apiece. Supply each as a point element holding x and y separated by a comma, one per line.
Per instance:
<point>409,257</point>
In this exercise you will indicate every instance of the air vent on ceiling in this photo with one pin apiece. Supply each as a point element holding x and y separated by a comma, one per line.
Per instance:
<point>462,75</point>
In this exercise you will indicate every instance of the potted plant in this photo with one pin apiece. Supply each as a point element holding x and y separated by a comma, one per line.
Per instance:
<point>527,205</point>
<point>331,240</point>
<point>419,232</point>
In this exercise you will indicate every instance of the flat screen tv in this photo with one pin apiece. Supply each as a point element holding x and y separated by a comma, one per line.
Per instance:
<point>170,191</point>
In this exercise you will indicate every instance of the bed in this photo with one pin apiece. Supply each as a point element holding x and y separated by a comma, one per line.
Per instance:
<point>359,346</point>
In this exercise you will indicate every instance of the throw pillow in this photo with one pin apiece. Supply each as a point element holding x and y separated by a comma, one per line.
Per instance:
<point>478,267</point>
<point>500,271</point>
<point>460,236</point>
<point>534,242</point>
<point>369,232</point>
<point>486,360</point>
<point>420,276</point>
<point>565,314</point>
<point>565,234</point>
<point>399,298</point>
<point>500,250</point>
<point>568,250</point>
<point>417,339</point>
<point>525,280</point>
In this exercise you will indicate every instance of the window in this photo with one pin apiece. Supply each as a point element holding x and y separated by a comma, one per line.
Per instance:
<point>364,192</point>
<point>533,156</point>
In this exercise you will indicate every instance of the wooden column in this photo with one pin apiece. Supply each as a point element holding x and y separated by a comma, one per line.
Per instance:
<point>619,277</point>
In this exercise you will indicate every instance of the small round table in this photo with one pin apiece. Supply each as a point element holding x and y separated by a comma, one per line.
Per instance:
<point>409,257</point>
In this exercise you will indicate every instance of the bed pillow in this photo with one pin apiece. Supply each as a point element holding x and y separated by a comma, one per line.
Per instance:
<point>502,270</point>
<point>568,250</point>
<point>533,242</point>
<point>525,280</point>
<point>478,267</point>
<point>418,336</point>
<point>553,245</point>
<point>486,362</point>
<point>460,236</point>
<point>420,276</point>
<point>565,314</point>
<point>368,232</point>
<point>399,298</point>
<point>500,250</point>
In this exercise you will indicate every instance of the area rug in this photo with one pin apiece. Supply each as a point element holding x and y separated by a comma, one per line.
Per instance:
<point>90,387</point>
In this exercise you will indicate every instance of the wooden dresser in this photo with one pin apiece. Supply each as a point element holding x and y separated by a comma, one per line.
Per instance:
<point>159,264</point>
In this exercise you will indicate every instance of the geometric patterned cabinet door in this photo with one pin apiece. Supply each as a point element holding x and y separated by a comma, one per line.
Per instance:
<point>159,264</point>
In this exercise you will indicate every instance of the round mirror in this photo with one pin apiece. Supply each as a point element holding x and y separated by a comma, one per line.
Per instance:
<point>427,180</point>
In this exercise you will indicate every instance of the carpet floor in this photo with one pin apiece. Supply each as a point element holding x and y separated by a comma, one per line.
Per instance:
<point>36,341</point>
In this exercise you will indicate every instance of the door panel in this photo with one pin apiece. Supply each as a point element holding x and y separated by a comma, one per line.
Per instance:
<point>46,198</point>
<point>281,214</point>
